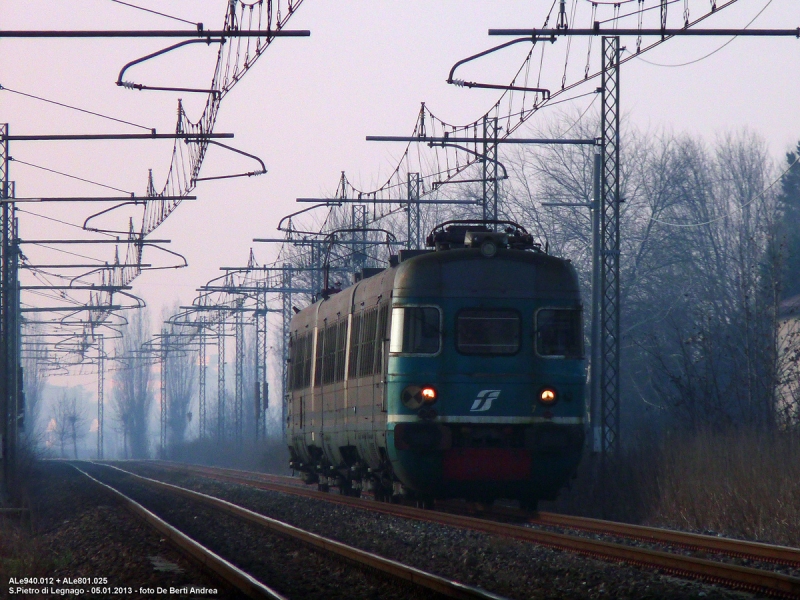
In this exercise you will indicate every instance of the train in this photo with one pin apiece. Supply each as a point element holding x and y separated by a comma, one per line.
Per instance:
<point>458,371</point>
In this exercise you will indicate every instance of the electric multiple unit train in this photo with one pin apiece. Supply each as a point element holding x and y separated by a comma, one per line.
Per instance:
<point>457,372</point>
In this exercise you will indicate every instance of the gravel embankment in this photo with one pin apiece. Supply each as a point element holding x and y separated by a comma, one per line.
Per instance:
<point>80,532</point>
<point>287,566</point>
<point>510,568</point>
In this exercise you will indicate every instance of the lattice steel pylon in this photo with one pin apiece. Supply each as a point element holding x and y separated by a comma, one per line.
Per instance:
<point>221,376</point>
<point>6,313</point>
<point>261,385</point>
<point>164,358</point>
<point>285,327</point>
<point>238,421</point>
<point>101,374</point>
<point>489,161</point>
<point>609,255</point>
<point>359,226</point>
<point>201,376</point>
<point>414,237</point>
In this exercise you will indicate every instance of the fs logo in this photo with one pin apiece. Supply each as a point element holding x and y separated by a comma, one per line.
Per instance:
<point>484,400</point>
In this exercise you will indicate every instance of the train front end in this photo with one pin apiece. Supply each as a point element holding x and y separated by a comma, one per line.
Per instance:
<point>486,369</point>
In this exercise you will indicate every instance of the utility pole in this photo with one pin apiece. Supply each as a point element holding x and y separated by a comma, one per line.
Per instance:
<point>489,161</point>
<point>414,234</point>
<point>260,354</point>
<point>596,360</point>
<point>221,377</point>
<point>359,225</point>
<point>164,420</point>
<point>285,331</point>
<point>101,367</point>
<point>5,464</point>
<point>11,410</point>
<point>239,372</point>
<point>201,384</point>
<point>609,254</point>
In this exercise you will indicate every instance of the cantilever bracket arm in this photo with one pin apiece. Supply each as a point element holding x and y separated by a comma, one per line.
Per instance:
<point>465,149</point>
<point>490,86</point>
<point>262,171</point>
<point>140,87</point>
<point>300,212</point>
<point>136,201</point>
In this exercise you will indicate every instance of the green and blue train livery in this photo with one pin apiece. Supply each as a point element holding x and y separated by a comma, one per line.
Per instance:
<point>457,372</point>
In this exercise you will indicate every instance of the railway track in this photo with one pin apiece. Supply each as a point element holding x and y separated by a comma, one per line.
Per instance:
<point>765,581</point>
<point>247,583</point>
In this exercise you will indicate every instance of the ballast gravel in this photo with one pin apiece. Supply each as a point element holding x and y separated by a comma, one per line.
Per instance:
<point>287,566</point>
<point>511,568</point>
<point>82,533</point>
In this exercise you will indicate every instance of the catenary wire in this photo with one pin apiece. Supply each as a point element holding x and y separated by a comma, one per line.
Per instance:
<point>713,52</point>
<point>155,12</point>
<point>22,162</point>
<point>83,110</point>
<point>28,212</point>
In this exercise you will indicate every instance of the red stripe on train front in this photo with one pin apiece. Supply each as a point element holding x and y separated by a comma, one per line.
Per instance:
<point>493,464</point>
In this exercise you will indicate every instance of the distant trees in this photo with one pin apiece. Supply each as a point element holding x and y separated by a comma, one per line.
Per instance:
<point>181,373</point>
<point>70,422</point>
<point>788,238</point>
<point>132,386</point>
<point>34,377</point>
<point>701,278</point>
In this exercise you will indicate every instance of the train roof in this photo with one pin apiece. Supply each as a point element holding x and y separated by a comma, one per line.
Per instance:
<point>469,260</point>
<point>467,272</point>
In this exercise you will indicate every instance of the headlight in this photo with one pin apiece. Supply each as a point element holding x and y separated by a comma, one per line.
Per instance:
<point>548,396</point>
<point>415,396</point>
<point>428,394</point>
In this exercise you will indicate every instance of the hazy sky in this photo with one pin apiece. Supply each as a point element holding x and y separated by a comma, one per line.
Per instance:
<point>307,105</point>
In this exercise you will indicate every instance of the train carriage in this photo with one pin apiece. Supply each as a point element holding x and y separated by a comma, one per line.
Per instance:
<point>456,372</point>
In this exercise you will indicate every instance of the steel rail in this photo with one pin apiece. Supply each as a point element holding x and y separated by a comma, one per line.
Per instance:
<point>739,548</point>
<point>747,578</point>
<point>442,585</point>
<point>785,555</point>
<point>244,582</point>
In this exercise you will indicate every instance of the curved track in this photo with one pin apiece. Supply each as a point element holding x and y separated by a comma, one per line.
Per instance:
<point>248,584</point>
<point>762,581</point>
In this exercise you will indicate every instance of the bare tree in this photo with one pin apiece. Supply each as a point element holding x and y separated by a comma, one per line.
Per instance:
<point>34,376</point>
<point>700,313</point>
<point>70,422</point>
<point>181,373</point>
<point>133,396</point>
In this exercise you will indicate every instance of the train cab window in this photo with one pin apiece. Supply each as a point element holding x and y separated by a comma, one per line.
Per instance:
<point>559,333</point>
<point>416,330</point>
<point>488,331</point>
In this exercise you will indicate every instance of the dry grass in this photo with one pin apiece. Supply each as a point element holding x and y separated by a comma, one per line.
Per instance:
<point>21,555</point>
<point>738,484</point>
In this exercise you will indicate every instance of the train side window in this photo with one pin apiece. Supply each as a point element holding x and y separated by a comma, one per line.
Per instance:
<point>380,336</point>
<point>306,372</point>
<point>329,354</point>
<point>300,366</point>
<point>291,368</point>
<point>366,355</point>
<point>416,330</point>
<point>318,357</point>
<point>341,346</point>
<point>488,331</point>
<point>355,335</point>
<point>559,333</point>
